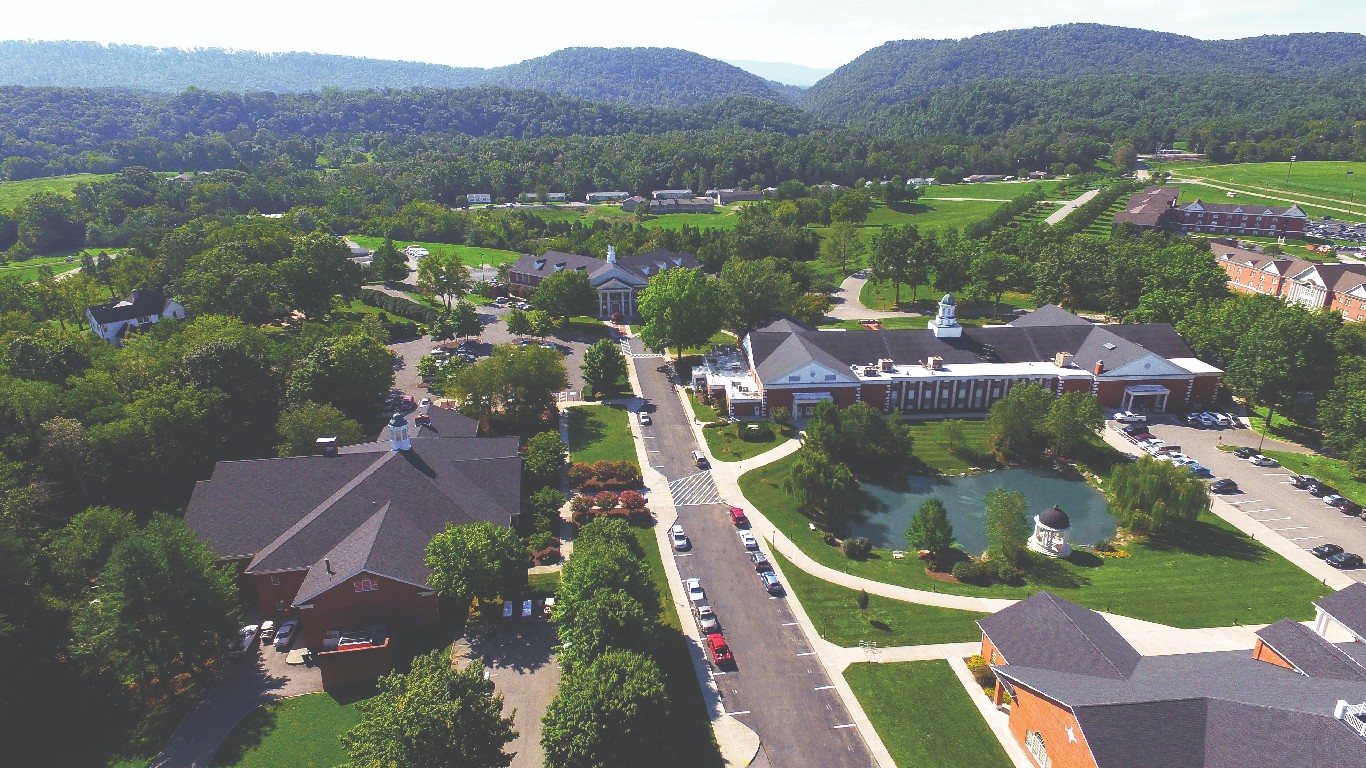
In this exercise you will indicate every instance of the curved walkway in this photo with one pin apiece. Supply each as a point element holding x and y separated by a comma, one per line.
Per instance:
<point>845,303</point>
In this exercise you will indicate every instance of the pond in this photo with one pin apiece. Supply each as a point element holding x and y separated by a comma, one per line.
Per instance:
<point>886,527</point>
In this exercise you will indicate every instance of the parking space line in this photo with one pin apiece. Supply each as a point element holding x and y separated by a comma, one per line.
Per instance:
<point>1304,538</point>
<point>1259,511</point>
<point>1275,474</point>
<point>1272,519</point>
<point>822,687</point>
<point>682,554</point>
<point>1291,528</point>
<point>846,725</point>
<point>789,624</point>
<point>741,712</point>
<point>649,437</point>
<point>1249,501</point>
<point>808,653</point>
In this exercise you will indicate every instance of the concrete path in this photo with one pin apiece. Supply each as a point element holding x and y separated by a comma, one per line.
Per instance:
<point>845,304</point>
<point>1067,208</point>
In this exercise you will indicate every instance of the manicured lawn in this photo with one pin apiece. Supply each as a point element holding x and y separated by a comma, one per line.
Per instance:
<point>600,432</point>
<point>1335,472</point>
<point>543,584</point>
<point>1307,179</point>
<point>722,338</point>
<point>882,295</point>
<point>924,717</point>
<point>933,454</point>
<point>1282,427</point>
<point>1212,576</point>
<point>1310,205</point>
<point>302,731</point>
<point>725,443</point>
<point>998,190</point>
<point>705,413</point>
<point>14,193</point>
<point>27,270</point>
<point>835,612</point>
<point>469,254</point>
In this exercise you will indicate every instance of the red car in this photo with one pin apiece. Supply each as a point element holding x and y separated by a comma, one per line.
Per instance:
<point>719,651</point>
<point>407,403</point>
<point>737,516</point>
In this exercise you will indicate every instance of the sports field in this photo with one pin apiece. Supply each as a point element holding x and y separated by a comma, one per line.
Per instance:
<point>469,254</point>
<point>1323,186</point>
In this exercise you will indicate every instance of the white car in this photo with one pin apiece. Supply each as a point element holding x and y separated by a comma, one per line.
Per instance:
<point>246,638</point>
<point>694,589</point>
<point>1208,420</point>
<point>1129,417</point>
<point>644,418</point>
<point>748,540</point>
<point>1223,419</point>
<point>706,618</point>
<point>267,632</point>
<point>286,634</point>
<point>1263,461</point>
<point>679,538</point>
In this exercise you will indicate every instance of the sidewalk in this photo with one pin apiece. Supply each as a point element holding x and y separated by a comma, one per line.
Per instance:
<point>1067,208</point>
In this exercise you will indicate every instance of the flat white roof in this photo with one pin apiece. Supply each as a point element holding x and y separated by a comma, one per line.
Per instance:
<point>1195,365</point>
<point>976,371</point>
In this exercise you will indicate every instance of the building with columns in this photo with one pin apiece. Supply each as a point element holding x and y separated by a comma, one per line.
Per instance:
<point>618,281</point>
<point>1311,284</point>
<point>949,369</point>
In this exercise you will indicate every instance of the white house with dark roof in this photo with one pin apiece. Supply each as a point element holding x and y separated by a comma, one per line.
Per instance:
<point>114,320</point>
<point>618,281</point>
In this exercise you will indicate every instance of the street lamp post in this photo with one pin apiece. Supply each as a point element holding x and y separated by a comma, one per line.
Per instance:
<point>1288,167</point>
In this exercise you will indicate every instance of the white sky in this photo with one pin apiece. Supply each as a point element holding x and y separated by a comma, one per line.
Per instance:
<point>818,33</point>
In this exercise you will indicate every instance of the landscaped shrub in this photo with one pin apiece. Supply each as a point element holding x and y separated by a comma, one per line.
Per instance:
<point>857,548</point>
<point>401,307</point>
<point>632,501</point>
<point>604,476</point>
<point>1007,573</point>
<point>580,504</point>
<point>974,572</point>
<point>763,434</point>
<point>981,671</point>
<point>579,473</point>
<point>830,539</point>
<point>605,500</point>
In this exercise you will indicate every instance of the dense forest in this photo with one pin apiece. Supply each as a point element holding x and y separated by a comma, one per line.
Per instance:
<point>641,76</point>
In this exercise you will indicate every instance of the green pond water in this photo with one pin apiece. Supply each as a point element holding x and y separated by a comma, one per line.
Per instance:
<point>886,525</point>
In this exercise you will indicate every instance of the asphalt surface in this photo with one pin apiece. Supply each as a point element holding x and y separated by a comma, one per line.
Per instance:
<point>777,686</point>
<point>1265,493</point>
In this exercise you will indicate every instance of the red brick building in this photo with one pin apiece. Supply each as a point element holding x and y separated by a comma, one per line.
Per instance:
<point>1340,287</point>
<point>949,369</point>
<point>337,540</point>
<point>1156,208</point>
<point>1080,696</point>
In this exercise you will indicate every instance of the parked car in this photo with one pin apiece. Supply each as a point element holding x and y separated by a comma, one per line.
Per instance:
<point>1244,452</point>
<point>761,562</point>
<point>426,403</point>
<point>246,638</point>
<point>528,609</point>
<point>407,403</point>
<point>1129,417</point>
<point>509,608</point>
<point>285,635</point>
<point>771,583</point>
<point>1198,470</point>
<point>1334,500</point>
<point>1324,551</point>
<point>1224,485</point>
<point>1345,560</point>
<point>679,539</point>
<point>1349,507</point>
<point>644,418</point>
<point>1302,481</point>
<point>1207,420</point>
<point>1223,419</point>
<point>1232,420</point>
<point>268,629</point>
<point>748,540</point>
<point>1191,419</point>
<point>1264,461</point>
<point>694,590</point>
<point>700,459</point>
<point>706,618</point>
<point>1320,488</point>
<point>718,650</point>
<point>737,517</point>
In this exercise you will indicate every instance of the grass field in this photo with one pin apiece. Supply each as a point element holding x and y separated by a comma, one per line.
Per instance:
<point>725,443</point>
<point>302,731</point>
<point>12,193</point>
<point>881,295</point>
<point>600,433</point>
<point>1335,472</point>
<point>835,613</point>
<point>1211,576</point>
<point>470,255</point>
<point>27,270</point>
<point>990,190</point>
<point>929,450</point>
<point>924,716</point>
<point>1323,181</point>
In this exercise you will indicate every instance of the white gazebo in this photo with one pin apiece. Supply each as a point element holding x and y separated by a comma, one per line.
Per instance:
<point>1051,529</point>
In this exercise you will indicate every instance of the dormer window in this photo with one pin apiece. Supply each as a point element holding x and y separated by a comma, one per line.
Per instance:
<point>540,264</point>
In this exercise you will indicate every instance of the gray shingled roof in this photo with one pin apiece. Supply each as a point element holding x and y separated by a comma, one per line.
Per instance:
<point>140,303</point>
<point>1309,652</point>
<point>651,263</point>
<point>1046,632</point>
<point>795,350</point>
<point>288,514</point>
<point>551,262</point>
<point>1048,314</point>
<point>1348,607</point>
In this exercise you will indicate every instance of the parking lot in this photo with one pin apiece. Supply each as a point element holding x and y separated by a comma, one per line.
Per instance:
<point>1264,493</point>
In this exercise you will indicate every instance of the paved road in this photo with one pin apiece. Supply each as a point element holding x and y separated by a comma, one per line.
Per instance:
<point>518,660</point>
<point>778,686</point>
<point>845,304</point>
<point>1066,209</point>
<point>1266,494</point>
<point>245,685</point>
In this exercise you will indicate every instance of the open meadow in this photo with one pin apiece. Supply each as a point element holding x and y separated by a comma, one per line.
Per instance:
<point>1318,186</point>
<point>12,193</point>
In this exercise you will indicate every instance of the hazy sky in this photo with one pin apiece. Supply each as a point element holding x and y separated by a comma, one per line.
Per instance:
<point>819,33</point>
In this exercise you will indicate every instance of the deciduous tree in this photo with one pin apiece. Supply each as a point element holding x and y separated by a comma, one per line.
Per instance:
<point>1014,421</point>
<point>751,292</point>
<point>842,247</point>
<point>301,424</point>
<point>444,274</point>
<point>620,688</point>
<point>1007,525</point>
<point>1072,420</point>
<point>388,264</point>
<point>680,308</point>
<point>603,365</point>
<point>931,530</point>
<point>1150,496</point>
<point>565,294</point>
<point>477,560</point>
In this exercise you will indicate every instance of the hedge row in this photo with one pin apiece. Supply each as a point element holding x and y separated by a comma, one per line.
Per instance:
<point>1081,218</point>
<point>1005,214</point>
<point>401,307</point>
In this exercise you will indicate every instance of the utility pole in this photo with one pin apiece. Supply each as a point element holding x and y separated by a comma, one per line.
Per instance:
<point>1288,167</point>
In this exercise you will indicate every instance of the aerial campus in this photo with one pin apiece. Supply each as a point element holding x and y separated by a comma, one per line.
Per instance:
<point>389,414</point>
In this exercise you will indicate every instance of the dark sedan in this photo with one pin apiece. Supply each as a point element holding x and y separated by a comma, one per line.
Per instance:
<point>1324,551</point>
<point>1321,489</point>
<point>1302,481</point>
<point>1345,560</point>
<point>1224,485</point>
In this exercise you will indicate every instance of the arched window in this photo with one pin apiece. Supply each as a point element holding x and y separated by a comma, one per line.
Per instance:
<point>1034,743</point>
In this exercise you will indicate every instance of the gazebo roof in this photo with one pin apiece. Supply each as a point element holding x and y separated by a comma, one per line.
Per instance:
<point>1055,518</point>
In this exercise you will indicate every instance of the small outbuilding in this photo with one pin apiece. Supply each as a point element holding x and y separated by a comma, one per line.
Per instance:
<point>1051,530</point>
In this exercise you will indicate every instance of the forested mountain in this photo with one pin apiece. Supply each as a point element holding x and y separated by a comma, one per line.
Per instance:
<point>905,69</point>
<point>641,76</point>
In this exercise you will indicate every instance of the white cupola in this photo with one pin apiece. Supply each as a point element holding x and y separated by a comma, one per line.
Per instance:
<point>945,324</point>
<point>611,255</point>
<point>398,433</point>
<point>1051,530</point>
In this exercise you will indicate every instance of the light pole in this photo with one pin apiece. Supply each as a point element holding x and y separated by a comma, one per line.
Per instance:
<point>1288,167</point>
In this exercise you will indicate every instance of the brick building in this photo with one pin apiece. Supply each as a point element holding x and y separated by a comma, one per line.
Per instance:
<point>1080,696</point>
<point>949,369</point>
<point>618,281</point>
<point>1315,285</point>
<point>1156,208</point>
<point>336,540</point>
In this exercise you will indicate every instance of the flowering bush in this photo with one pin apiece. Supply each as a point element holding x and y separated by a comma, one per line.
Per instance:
<point>632,501</point>
<point>605,500</point>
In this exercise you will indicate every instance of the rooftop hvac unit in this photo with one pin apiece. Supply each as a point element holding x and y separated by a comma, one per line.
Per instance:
<point>886,365</point>
<point>1063,359</point>
<point>934,363</point>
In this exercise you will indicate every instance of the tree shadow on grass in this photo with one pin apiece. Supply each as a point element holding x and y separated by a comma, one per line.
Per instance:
<point>1054,574</point>
<point>1204,539</point>
<point>249,733</point>
<point>583,431</point>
